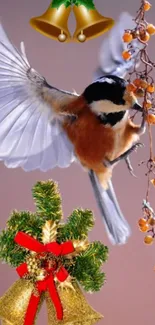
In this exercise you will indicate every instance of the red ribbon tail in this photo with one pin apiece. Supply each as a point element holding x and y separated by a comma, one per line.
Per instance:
<point>55,298</point>
<point>32,310</point>
<point>62,274</point>
<point>22,269</point>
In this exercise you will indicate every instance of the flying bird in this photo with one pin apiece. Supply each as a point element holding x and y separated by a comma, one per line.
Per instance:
<point>42,127</point>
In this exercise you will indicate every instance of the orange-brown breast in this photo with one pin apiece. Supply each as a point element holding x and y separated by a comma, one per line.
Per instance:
<point>92,140</point>
<point>129,137</point>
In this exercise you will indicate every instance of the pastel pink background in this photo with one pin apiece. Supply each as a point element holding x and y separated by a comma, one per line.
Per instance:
<point>128,295</point>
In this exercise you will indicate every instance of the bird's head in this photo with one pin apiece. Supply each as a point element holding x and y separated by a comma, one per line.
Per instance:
<point>109,94</point>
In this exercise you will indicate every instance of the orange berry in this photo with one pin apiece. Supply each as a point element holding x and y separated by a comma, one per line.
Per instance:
<point>153,181</point>
<point>151,221</point>
<point>131,87</point>
<point>143,84</point>
<point>137,82</point>
<point>147,6</point>
<point>139,92</point>
<point>126,55</point>
<point>151,29</point>
<point>148,240</point>
<point>145,37</point>
<point>148,104</point>
<point>142,222</point>
<point>144,228</point>
<point>127,37</point>
<point>150,119</point>
<point>151,89</point>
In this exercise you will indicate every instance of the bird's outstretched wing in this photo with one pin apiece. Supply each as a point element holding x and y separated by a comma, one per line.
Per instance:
<point>110,55</point>
<point>30,129</point>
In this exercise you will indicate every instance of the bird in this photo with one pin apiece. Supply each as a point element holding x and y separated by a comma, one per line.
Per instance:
<point>42,127</point>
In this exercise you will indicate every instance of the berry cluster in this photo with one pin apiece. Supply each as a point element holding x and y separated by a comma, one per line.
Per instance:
<point>147,224</point>
<point>139,87</point>
<point>142,31</point>
<point>141,83</point>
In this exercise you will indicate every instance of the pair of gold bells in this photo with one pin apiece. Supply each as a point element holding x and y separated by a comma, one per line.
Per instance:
<point>54,23</point>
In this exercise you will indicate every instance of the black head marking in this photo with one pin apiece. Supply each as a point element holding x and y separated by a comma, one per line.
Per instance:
<point>109,87</point>
<point>111,118</point>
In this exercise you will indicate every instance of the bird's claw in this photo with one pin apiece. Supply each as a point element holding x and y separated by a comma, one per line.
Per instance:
<point>132,173</point>
<point>108,163</point>
<point>130,168</point>
<point>138,145</point>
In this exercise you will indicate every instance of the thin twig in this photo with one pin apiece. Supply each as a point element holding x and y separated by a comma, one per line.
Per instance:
<point>140,34</point>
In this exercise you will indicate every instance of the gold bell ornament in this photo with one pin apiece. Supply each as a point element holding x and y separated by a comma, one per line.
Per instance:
<point>53,260</point>
<point>53,23</point>
<point>14,304</point>
<point>89,23</point>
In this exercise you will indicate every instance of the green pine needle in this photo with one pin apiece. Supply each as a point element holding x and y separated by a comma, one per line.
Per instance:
<point>87,267</point>
<point>58,3</point>
<point>78,225</point>
<point>89,4</point>
<point>48,200</point>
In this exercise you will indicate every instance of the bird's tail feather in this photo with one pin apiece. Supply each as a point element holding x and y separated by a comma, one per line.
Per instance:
<point>117,227</point>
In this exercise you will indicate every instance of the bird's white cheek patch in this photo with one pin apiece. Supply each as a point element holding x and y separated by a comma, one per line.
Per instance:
<point>106,106</point>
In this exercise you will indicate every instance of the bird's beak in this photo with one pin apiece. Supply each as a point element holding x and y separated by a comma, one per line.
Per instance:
<point>137,107</point>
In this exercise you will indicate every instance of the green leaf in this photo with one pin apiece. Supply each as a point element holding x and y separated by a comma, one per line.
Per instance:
<point>58,3</point>
<point>89,4</point>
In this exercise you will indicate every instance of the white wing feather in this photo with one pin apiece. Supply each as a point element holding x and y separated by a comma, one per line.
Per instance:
<point>30,133</point>
<point>110,55</point>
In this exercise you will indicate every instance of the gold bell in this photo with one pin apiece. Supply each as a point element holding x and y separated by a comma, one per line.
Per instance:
<point>14,303</point>
<point>53,23</point>
<point>90,24</point>
<point>76,309</point>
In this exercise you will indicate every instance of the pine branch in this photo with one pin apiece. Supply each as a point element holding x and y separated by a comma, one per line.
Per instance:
<point>88,274</point>
<point>24,221</point>
<point>87,267</point>
<point>27,222</point>
<point>10,252</point>
<point>78,225</point>
<point>98,251</point>
<point>48,201</point>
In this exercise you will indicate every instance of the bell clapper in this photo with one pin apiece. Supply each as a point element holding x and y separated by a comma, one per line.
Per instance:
<point>81,37</point>
<point>62,37</point>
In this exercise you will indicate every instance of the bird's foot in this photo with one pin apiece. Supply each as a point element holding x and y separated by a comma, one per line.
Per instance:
<point>130,168</point>
<point>108,163</point>
<point>142,127</point>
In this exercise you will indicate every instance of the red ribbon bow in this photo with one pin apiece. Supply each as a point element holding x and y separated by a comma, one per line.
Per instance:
<point>48,283</point>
